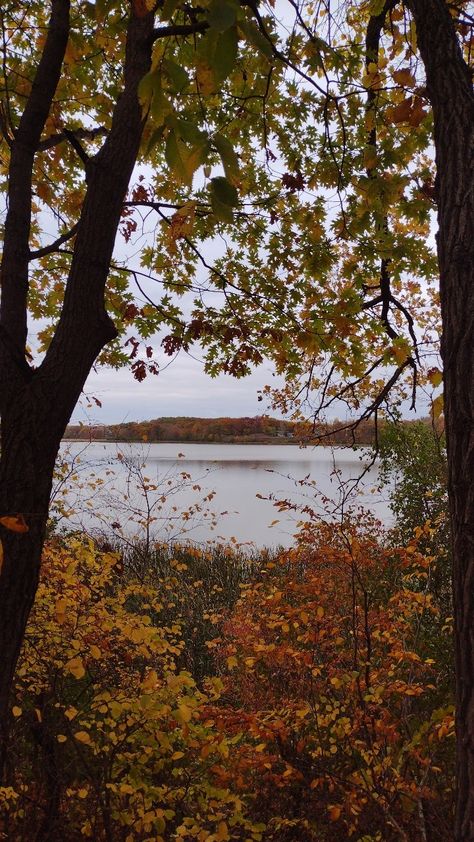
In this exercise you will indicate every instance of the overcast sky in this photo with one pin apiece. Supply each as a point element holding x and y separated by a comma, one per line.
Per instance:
<point>181,389</point>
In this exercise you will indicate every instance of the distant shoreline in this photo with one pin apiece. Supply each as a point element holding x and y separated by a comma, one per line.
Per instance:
<point>259,430</point>
<point>281,441</point>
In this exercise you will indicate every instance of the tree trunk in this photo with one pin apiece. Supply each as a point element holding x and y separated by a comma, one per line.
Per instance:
<point>26,471</point>
<point>36,405</point>
<point>449,83</point>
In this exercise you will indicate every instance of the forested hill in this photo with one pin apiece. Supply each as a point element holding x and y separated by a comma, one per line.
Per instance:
<point>261,430</point>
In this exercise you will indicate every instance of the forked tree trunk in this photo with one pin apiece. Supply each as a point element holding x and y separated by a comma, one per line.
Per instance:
<point>36,405</point>
<point>450,90</point>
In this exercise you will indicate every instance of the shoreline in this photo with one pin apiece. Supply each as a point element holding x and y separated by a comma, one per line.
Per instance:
<point>278,442</point>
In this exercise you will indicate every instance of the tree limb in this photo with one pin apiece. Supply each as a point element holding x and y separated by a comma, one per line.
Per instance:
<point>179,29</point>
<point>43,252</point>
<point>14,269</point>
<point>80,134</point>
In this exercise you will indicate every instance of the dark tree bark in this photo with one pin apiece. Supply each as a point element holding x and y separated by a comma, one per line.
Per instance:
<point>36,405</point>
<point>449,83</point>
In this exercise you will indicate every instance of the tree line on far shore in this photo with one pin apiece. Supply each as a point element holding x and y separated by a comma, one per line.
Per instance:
<point>260,430</point>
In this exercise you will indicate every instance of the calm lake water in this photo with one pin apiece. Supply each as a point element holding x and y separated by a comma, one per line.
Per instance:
<point>203,492</point>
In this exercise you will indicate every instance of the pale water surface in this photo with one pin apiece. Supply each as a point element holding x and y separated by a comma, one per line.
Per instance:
<point>144,489</point>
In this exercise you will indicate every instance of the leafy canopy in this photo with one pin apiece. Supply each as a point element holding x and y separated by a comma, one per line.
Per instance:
<point>283,194</point>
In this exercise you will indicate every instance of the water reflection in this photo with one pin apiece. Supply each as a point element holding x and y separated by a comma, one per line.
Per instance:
<point>224,491</point>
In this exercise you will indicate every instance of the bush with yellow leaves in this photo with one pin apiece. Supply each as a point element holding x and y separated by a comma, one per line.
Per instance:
<point>109,741</point>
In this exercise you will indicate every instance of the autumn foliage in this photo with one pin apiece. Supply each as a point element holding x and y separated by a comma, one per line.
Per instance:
<point>324,714</point>
<point>259,429</point>
<point>338,677</point>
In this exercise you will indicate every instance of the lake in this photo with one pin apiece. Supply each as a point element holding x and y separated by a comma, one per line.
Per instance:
<point>203,492</point>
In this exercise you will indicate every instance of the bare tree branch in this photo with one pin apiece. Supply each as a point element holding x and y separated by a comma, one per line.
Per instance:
<point>80,134</point>
<point>43,252</point>
<point>179,29</point>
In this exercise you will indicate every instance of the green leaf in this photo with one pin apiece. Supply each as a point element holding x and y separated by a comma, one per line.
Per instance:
<point>228,155</point>
<point>161,106</point>
<point>222,15</point>
<point>175,152</point>
<point>183,160</point>
<point>147,87</point>
<point>225,56</point>
<point>155,138</point>
<point>219,51</point>
<point>176,74</point>
<point>224,192</point>
<point>102,8</point>
<point>255,38</point>
<point>189,131</point>
<point>221,211</point>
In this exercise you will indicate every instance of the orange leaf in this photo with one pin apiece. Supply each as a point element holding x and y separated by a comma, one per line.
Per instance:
<point>14,523</point>
<point>418,113</point>
<point>82,737</point>
<point>334,812</point>
<point>401,113</point>
<point>404,77</point>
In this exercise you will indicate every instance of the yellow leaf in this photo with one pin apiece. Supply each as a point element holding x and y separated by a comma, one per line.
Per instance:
<point>182,222</point>
<point>150,681</point>
<point>435,377</point>
<point>183,713</point>
<point>320,612</point>
<point>303,712</point>
<point>126,789</point>
<point>61,738</point>
<point>60,610</point>
<point>82,737</point>
<point>438,406</point>
<point>232,662</point>
<point>14,524</point>
<point>16,711</point>
<point>76,667</point>
<point>70,713</point>
<point>95,651</point>
<point>205,79</point>
<point>82,793</point>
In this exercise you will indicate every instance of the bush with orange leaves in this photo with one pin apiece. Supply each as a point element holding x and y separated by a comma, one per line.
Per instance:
<point>338,681</point>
